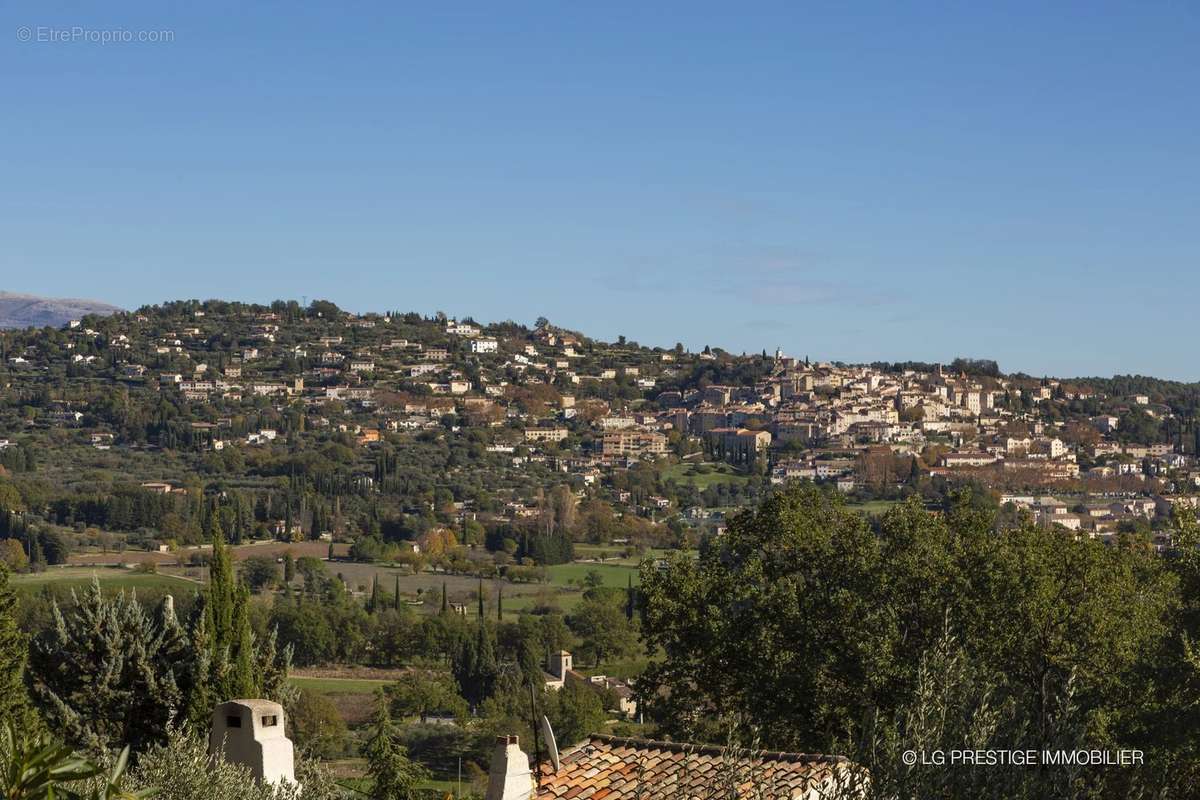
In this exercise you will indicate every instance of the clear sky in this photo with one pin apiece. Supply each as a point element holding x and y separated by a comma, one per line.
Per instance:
<point>852,181</point>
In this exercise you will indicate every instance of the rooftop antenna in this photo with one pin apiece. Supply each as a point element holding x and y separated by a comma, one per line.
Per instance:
<point>551,742</point>
<point>537,747</point>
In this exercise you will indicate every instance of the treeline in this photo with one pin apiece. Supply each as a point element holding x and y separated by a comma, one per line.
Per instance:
<point>1183,398</point>
<point>726,371</point>
<point>969,366</point>
<point>18,459</point>
<point>825,632</point>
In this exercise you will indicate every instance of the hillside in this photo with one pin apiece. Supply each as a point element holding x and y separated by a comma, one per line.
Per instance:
<point>26,310</point>
<point>377,429</point>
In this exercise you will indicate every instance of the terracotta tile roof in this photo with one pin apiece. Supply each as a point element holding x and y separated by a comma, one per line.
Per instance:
<point>614,768</point>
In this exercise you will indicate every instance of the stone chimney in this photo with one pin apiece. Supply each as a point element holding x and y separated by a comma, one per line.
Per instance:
<point>251,732</point>
<point>509,777</point>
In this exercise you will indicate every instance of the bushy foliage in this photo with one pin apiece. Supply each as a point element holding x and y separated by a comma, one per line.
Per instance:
<point>315,725</point>
<point>393,775</point>
<point>33,767</point>
<point>420,693</point>
<point>13,652</point>
<point>180,768</point>
<point>806,620</point>
<point>111,672</point>
<point>600,621</point>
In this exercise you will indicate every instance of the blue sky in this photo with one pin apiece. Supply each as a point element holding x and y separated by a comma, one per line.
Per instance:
<point>851,181</point>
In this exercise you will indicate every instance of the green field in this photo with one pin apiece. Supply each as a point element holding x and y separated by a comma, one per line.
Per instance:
<point>354,698</point>
<point>613,574</point>
<point>525,601</point>
<point>610,551</point>
<point>109,577</point>
<point>703,476</point>
<point>612,554</point>
<point>338,685</point>
<point>874,506</point>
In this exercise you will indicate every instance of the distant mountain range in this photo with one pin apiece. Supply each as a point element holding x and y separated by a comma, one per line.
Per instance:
<point>26,310</point>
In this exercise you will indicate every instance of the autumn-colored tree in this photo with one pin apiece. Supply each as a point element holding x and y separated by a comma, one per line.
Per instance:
<point>12,555</point>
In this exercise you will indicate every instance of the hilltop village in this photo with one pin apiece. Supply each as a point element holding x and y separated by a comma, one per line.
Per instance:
<point>435,421</point>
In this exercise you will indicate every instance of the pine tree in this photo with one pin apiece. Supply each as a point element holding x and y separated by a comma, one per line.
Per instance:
<point>110,673</point>
<point>393,775</point>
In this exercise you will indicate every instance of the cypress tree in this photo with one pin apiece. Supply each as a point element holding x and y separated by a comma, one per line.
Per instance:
<point>220,589</point>
<point>445,605</point>
<point>37,559</point>
<point>243,678</point>
<point>474,665</point>
<point>235,667</point>
<point>500,603</point>
<point>373,602</point>
<point>272,664</point>
<point>200,702</point>
<point>462,665</point>
<point>396,597</point>
<point>485,662</point>
<point>481,598</point>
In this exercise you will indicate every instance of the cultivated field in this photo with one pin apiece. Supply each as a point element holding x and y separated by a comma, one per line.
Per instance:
<point>181,556</point>
<point>67,578</point>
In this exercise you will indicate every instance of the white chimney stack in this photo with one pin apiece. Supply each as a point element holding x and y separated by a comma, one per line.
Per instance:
<point>509,777</point>
<point>251,732</point>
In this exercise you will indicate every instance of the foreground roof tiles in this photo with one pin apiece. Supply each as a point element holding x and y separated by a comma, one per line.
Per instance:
<point>614,768</point>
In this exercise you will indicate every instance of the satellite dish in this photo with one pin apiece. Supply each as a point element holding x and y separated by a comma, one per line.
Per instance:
<point>551,744</point>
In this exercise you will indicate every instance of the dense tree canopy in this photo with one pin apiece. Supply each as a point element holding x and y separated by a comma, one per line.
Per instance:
<point>803,621</point>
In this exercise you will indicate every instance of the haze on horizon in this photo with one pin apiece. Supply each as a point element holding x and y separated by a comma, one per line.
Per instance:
<point>857,184</point>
